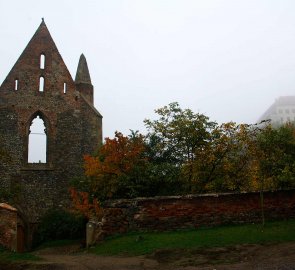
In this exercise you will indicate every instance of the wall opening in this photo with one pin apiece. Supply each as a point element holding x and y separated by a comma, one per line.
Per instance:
<point>16,84</point>
<point>65,88</point>
<point>37,147</point>
<point>41,84</point>
<point>42,61</point>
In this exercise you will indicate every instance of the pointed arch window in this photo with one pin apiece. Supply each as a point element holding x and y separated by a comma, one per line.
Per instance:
<point>37,143</point>
<point>42,61</point>
<point>41,84</point>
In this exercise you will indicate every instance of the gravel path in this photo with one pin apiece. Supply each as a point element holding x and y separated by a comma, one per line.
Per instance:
<point>244,257</point>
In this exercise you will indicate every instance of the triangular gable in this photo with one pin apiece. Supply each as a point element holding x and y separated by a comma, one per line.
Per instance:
<point>27,71</point>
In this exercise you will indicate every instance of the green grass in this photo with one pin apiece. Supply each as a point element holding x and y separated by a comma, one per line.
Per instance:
<point>146,243</point>
<point>9,256</point>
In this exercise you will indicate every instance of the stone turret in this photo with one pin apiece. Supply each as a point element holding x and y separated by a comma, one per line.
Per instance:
<point>83,81</point>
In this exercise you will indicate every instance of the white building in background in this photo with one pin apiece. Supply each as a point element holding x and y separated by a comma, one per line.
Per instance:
<point>281,111</point>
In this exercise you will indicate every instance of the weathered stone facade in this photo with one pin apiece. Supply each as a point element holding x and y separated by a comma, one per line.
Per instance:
<point>73,125</point>
<point>194,211</point>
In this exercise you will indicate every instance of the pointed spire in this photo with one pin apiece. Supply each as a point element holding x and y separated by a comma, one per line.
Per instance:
<point>82,75</point>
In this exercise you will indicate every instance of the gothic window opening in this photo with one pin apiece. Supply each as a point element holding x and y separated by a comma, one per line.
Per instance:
<point>42,61</point>
<point>16,84</point>
<point>41,84</point>
<point>37,145</point>
<point>65,88</point>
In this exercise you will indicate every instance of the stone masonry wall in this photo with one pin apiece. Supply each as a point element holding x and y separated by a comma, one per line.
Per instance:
<point>170,213</point>
<point>73,128</point>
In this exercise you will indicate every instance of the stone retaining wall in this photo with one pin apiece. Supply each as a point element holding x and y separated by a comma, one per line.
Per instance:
<point>183,212</point>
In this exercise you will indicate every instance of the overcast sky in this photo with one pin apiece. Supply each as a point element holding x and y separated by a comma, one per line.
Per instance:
<point>228,59</point>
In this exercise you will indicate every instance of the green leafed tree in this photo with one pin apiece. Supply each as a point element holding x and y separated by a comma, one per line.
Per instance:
<point>177,136</point>
<point>222,164</point>
<point>276,157</point>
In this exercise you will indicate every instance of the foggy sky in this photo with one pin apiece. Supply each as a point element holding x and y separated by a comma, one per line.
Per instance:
<point>228,59</point>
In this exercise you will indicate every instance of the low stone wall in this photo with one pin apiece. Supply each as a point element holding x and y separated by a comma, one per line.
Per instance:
<point>8,226</point>
<point>183,212</point>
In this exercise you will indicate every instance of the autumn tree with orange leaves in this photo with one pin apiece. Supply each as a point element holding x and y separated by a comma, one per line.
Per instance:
<point>112,171</point>
<point>84,204</point>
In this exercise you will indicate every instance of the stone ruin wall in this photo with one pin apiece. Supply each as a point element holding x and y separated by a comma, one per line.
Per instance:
<point>187,212</point>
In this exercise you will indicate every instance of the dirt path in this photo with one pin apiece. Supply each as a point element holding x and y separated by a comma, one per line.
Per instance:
<point>268,257</point>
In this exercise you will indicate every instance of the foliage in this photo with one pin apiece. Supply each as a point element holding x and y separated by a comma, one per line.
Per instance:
<point>276,152</point>
<point>83,204</point>
<point>279,231</point>
<point>174,141</point>
<point>59,224</point>
<point>114,171</point>
<point>180,133</point>
<point>222,164</point>
<point>185,152</point>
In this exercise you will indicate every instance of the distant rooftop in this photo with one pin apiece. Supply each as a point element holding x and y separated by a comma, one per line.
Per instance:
<point>281,111</point>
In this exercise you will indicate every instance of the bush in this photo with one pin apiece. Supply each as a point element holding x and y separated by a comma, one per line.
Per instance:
<point>59,224</point>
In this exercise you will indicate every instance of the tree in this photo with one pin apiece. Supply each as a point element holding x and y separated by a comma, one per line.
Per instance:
<point>177,135</point>
<point>276,147</point>
<point>272,157</point>
<point>88,207</point>
<point>114,168</point>
<point>222,164</point>
<point>162,176</point>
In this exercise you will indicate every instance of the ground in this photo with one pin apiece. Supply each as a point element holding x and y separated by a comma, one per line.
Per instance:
<point>242,257</point>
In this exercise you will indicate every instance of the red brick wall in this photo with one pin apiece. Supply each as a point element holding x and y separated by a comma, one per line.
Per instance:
<point>169,213</point>
<point>8,227</point>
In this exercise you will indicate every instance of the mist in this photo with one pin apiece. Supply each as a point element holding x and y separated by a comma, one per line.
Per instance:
<point>226,59</point>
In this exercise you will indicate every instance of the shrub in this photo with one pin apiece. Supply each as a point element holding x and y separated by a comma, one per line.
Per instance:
<point>59,224</point>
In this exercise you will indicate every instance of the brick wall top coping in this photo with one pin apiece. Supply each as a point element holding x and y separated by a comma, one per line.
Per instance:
<point>119,202</point>
<point>7,207</point>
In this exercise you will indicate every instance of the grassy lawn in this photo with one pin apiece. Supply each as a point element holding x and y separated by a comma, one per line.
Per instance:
<point>8,256</point>
<point>145,243</point>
